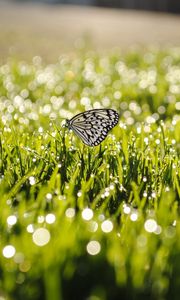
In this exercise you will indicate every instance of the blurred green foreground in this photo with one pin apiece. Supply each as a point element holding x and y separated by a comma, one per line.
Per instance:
<point>96,223</point>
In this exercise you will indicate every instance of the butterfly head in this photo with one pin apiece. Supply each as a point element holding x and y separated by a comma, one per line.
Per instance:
<point>67,124</point>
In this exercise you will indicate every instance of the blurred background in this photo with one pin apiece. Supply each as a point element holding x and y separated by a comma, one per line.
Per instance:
<point>49,28</point>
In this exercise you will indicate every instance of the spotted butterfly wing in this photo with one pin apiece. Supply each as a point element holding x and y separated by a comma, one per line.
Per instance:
<point>92,126</point>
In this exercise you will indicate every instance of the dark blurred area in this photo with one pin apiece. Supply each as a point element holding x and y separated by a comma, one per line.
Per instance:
<point>171,6</point>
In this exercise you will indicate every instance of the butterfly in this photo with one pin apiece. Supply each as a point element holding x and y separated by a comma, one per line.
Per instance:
<point>92,126</point>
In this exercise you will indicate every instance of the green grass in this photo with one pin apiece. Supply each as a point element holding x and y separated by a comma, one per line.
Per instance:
<point>130,183</point>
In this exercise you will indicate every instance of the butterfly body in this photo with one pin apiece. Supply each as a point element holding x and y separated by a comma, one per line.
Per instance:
<point>92,126</point>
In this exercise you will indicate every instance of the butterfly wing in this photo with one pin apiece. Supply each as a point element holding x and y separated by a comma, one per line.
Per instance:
<point>93,126</point>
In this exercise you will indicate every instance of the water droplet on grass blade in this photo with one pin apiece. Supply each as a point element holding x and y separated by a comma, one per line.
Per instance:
<point>30,228</point>
<point>92,226</point>
<point>32,180</point>
<point>126,209</point>
<point>134,216</point>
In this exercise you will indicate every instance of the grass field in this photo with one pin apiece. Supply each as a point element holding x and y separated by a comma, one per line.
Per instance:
<point>94,223</point>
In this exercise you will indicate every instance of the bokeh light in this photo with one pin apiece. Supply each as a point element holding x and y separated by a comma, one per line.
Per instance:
<point>87,214</point>
<point>41,237</point>
<point>107,226</point>
<point>50,218</point>
<point>11,220</point>
<point>8,251</point>
<point>150,225</point>
<point>93,247</point>
<point>70,212</point>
